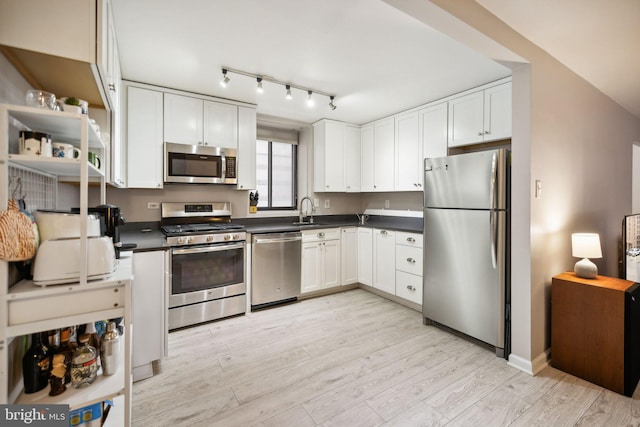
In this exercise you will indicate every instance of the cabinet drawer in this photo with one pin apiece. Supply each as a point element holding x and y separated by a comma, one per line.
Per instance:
<point>54,306</point>
<point>321,234</point>
<point>409,259</point>
<point>409,239</point>
<point>409,287</point>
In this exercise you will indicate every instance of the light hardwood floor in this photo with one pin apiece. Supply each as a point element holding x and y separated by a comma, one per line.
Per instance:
<point>356,359</point>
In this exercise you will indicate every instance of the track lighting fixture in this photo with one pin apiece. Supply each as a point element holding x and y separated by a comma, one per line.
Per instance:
<point>260,78</point>
<point>331,104</point>
<point>225,79</point>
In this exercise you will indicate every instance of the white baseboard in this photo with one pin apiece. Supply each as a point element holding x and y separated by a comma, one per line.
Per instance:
<point>531,367</point>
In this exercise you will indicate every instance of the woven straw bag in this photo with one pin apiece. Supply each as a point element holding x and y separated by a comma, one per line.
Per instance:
<point>17,237</point>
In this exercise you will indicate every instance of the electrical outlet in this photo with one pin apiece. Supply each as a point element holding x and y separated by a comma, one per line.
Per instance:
<point>316,203</point>
<point>386,204</point>
<point>153,205</point>
<point>327,204</point>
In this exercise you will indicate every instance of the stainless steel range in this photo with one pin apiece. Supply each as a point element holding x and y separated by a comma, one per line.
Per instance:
<point>208,262</point>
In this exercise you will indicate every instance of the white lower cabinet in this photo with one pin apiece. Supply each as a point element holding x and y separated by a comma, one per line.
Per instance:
<point>384,252</point>
<point>149,297</point>
<point>409,266</point>
<point>349,248</point>
<point>365,256</point>
<point>320,259</point>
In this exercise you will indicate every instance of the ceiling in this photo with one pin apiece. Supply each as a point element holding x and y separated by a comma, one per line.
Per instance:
<point>374,58</point>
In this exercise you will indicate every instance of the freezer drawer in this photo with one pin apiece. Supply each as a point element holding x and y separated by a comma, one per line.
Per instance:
<point>464,279</point>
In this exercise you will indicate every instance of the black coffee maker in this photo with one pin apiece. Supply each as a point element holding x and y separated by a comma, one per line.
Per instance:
<point>110,220</point>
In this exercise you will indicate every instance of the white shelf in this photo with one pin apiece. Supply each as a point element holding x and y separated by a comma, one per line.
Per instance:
<point>103,388</point>
<point>54,165</point>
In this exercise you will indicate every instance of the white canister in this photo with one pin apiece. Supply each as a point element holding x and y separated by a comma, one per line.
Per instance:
<point>35,144</point>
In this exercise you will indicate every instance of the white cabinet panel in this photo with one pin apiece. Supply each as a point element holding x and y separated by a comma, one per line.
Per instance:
<point>321,259</point>
<point>349,255</point>
<point>311,268</point>
<point>497,112</point>
<point>384,270</point>
<point>384,155</point>
<point>144,138</point>
<point>466,119</point>
<point>367,159</point>
<point>246,148</point>
<point>220,125</point>
<point>183,119</point>
<point>409,259</point>
<point>433,133</point>
<point>331,262</point>
<point>365,256</point>
<point>409,287</point>
<point>408,152</point>
<point>352,158</point>
<point>329,156</point>
<point>149,311</point>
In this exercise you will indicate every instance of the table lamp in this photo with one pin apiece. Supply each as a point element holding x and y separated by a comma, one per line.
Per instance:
<point>585,246</point>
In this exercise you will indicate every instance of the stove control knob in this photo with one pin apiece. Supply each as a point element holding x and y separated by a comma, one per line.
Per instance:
<point>209,238</point>
<point>227,237</point>
<point>236,237</point>
<point>180,240</point>
<point>188,240</point>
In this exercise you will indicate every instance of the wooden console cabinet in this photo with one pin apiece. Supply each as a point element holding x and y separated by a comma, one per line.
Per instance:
<point>595,326</point>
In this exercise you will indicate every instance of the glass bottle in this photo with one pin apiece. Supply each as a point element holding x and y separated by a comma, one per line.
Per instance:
<point>84,365</point>
<point>94,341</point>
<point>66,348</point>
<point>36,365</point>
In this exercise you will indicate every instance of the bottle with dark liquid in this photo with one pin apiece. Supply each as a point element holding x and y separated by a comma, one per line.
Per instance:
<point>36,365</point>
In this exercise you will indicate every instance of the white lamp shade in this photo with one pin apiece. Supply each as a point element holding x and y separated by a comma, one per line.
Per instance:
<point>586,245</point>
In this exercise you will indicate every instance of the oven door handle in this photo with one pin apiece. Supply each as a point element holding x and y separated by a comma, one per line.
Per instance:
<point>203,249</point>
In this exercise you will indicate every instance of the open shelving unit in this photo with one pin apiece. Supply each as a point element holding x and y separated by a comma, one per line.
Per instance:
<point>27,308</point>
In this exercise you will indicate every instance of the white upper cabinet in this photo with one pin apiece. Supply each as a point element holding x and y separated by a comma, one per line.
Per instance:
<point>246,167</point>
<point>194,121</point>
<point>182,119</point>
<point>377,156</point>
<point>329,156</point>
<point>480,116</point>
<point>497,112</point>
<point>433,133</point>
<point>352,158</point>
<point>408,150</point>
<point>220,125</point>
<point>144,138</point>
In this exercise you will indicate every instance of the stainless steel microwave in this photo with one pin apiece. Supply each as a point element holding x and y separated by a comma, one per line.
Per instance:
<point>199,164</point>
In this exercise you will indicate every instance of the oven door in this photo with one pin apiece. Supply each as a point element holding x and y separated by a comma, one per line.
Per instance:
<point>205,273</point>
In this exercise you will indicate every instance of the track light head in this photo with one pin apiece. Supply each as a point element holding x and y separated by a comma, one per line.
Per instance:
<point>259,88</point>
<point>288,96</point>
<point>331,104</point>
<point>225,79</point>
<point>310,99</point>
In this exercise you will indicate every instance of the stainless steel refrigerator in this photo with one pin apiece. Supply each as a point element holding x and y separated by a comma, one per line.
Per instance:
<point>466,245</point>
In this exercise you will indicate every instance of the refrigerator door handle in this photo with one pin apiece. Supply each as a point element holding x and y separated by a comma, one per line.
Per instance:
<point>493,231</point>
<point>494,177</point>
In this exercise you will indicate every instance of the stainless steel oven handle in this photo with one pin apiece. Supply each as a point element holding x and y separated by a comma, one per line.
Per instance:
<point>202,249</point>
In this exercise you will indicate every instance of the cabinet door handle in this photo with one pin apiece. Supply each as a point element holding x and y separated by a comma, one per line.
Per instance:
<point>486,132</point>
<point>383,232</point>
<point>480,133</point>
<point>410,239</point>
<point>112,87</point>
<point>411,260</point>
<point>321,235</point>
<point>411,288</point>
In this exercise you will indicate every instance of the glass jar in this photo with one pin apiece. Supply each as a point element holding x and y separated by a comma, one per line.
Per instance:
<point>84,365</point>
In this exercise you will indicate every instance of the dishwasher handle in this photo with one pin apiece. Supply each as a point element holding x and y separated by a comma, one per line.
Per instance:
<point>277,239</point>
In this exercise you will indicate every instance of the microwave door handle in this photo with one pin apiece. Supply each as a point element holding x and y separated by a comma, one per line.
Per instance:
<point>223,170</point>
<point>215,248</point>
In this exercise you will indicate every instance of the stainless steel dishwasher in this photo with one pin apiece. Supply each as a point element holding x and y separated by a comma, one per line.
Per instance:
<point>275,268</point>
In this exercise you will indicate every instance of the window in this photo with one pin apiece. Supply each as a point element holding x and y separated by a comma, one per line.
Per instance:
<point>276,164</point>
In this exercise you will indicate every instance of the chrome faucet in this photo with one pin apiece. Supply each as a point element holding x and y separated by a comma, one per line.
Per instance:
<point>312,208</point>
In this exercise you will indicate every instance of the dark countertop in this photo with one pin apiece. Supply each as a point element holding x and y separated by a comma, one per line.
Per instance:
<point>148,236</point>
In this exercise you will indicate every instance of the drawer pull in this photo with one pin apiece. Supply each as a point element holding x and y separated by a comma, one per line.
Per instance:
<point>411,239</point>
<point>383,231</point>
<point>411,287</point>
<point>411,260</point>
<point>321,235</point>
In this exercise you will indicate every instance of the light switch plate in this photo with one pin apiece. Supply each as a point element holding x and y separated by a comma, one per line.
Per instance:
<point>327,204</point>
